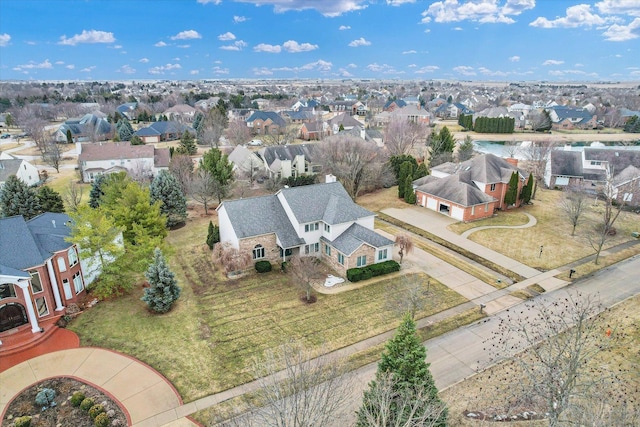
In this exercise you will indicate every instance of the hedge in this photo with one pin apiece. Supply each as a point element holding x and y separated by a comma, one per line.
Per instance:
<point>263,266</point>
<point>373,270</point>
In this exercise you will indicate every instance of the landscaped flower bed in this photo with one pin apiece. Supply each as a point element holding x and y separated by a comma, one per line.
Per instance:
<point>88,408</point>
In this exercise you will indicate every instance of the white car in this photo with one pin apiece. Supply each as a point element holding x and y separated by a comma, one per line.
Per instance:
<point>255,142</point>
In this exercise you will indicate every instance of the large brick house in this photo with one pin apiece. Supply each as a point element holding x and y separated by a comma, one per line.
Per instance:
<point>313,220</point>
<point>470,190</point>
<point>40,272</point>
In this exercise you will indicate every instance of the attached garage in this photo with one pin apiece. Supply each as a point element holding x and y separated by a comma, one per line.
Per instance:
<point>432,203</point>
<point>562,180</point>
<point>457,213</point>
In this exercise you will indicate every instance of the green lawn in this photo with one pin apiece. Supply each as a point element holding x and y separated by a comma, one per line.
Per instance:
<point>204,345</point>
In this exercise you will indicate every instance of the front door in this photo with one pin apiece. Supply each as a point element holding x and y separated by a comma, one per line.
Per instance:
<point>12,315</point>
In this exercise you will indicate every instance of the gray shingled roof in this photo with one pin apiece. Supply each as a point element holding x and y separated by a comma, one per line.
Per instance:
<point>25,244</point>
<point>328,202</point>
<point>257,216</point>
<point>487,168</point>
<point>9,167</point>
<point>454,189</point>
<point>286,152</point>
<point>357,235</point>
<point>566,163</point>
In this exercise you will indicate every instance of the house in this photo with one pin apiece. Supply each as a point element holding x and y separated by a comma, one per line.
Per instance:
<point>393,104</point>
<point>314,130</point>
<point>207,104</point>
<point>452,110</point>
<point>113,157</point>
<point>90,127</point>
<point>245,160</point>
<point>344,120</point>
<point>313,220</point>
<point>128,110</point>
<point>283,161</point>
<point>181,112</point>
<point>352,108</point>
<point>40,272</point>
<point>471,190</point>
<point>412,113</point>
<point>22,169</point>
<point>568,118</point>
<point>163,131</point>
<point>265,122</point>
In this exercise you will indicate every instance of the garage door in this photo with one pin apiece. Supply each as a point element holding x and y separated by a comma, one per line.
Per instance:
<point>562,180</point>
<point>432,203</point>
<point>457,213</point>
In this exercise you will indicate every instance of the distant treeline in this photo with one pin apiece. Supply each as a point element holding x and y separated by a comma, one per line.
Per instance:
<point>487,124</point>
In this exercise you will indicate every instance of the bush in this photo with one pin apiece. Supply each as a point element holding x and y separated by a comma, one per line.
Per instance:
<point>373,270</point>
<point>22,421</point>
<point>45,397</point>
<point>95,410</point>
<point>87,404</point>
<point>102,420</point>
<point>77,398</point>
<point>263,266</point>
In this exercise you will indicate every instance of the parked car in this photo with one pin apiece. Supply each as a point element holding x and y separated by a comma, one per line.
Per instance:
<point>5,135</point>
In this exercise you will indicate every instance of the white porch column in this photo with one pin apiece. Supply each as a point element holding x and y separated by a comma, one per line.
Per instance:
<point>33,319</point>
<point>54,285</point>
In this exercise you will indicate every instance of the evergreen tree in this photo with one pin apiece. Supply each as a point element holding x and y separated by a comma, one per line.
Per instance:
<point>164,290</point>
<point>409,193</point>
<point>17,198</point>
<point>404,359</point>
<point>396,161</point>
<point>69,137</point>
<point>187,144</point>
<point>511,196</point>
<point>465,150</point>
<point>50,200</point>
<point>527,190</point>
<point>136,140</point>
<point>218,165</point>
<point>442,146</point>
<point>96,192</point>
<point>124,129</point>
<point>406,169</point>
<point>213,235</point>
<point>198,124</point>
<point>166,189</point>
<point>420,171</point>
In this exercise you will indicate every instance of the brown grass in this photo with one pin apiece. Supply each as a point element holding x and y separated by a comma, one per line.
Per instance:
<point>382,199</point>
<point>508,218</point>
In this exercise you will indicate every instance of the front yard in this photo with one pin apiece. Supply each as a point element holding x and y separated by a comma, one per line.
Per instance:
<point>204,345</point>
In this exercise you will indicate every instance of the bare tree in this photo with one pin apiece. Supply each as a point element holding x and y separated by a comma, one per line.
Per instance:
<point>35,127</point>
<point>405,244</point>
<point>181,166</point>
<point>402,135</point>
<point>212,128</point>
<point>537,155</point>
<point>203,188</point>
<point>283,135</point>
<point>573,205</point>
<point>297,390</point>
<point>510,148</point>
<point>387,400</point>
<point>230,258</point>
<point>72,196</point>
<point>562,336</point>
<point>304,270</point>
<point>238,132</point>
<point>353,161</point>
<point>52,154</point>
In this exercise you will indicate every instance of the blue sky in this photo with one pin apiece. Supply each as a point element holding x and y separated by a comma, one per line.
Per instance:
<point>494,40</point>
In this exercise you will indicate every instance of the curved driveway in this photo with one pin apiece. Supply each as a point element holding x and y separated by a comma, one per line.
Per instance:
<point>532,221</point>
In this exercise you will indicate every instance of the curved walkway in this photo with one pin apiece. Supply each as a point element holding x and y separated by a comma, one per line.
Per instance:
<point>532,221</point>
<point>142,392</point>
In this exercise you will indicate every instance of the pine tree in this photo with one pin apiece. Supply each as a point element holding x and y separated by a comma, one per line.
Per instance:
<point>96,191</point>
<point>404,359</point>
<point>69,137</point>
<point>165,188</point>
<point>421,171</point>
<point>50,200</point>
<point>409,193</point>
<point>218,165</point>
<point>124,129</point>
<point>406,169</point>
<point>511,195</point>
<point>17,198</point>
<point>187,144</point>
<point>213,235</point>
<point>164,290</point>
<point>527,190</point>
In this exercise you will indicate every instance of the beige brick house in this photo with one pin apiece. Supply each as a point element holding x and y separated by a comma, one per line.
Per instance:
<point>314,220</point>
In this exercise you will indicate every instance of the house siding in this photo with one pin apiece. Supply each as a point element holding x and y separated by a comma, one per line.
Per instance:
<point>268,241</point>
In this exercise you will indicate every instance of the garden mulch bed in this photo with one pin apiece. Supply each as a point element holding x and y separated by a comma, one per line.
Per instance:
<point>63,414</point>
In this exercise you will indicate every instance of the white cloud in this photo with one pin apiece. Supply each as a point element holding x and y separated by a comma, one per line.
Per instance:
<point>144,60</point>
<point>360,42</point>
<point>427,69</point>
<point>70,67</point>
<point>126,69</point>
<point>236,46</point>
<point>160,44</point>
<point>344,27</point>
<point>577,16</point>
<point>220,70</point>
<point>487,72</point>
<point>399,2</point>
<point>352,65</point>
<point>183,46</point>
<point>262,71</point>
<point>226,36</point>
<point>4,39</point>
<point>194,72</point>
<point>88,69</point>
<point>186,35</point>
<point>408,52</point>
<point>216,2</point>
<point>269,48</point>
<point>516,7</point>
<point>514,58</point>
<point>319,65</point>
<point>579,65</point>
<point>382,68</point>
<point>162,68</point>
<point>552,62</point>
<point>238,19</point>
<point>464,70</point>
<point>457,28</point>
<point>118,46</point>
<point>483,11</point>
<point>293,46</point>
<point>91,36</point>
<point>329,8</point>
<point>620,33</point>
<point>342,72</point>
<point>619,7</point>
<point>59,62</point>
<point>32,65</point>
<point>411,66</point>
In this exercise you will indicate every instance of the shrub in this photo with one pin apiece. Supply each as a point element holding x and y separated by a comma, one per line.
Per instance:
<point>102,420</point>
<point>22,421</point>
<point>45,397</point>
<point>77,398</point>
<point>87,404</point>
<point>263,266</point>
<point>95,410</point>
<point>373,270</point>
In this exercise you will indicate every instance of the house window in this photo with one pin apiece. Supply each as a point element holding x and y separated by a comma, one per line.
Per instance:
<point>36,285</point>
<point>382,254</point>
<point>340,258</point>
<point>361,261</point>
<point>62,266</point>
<point>67,289</point>
<point>327,228</point>
<point>258,252</point>
<point>77,283</point>
<point>312,248</point>
<point>493,187</point>
<point>473,210</point>
<point>627,197</point>
<point>311,227</point>
<point>41,304</point>
<point>7,291</point>
<point>327,250</point>
<point>73,256</point>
